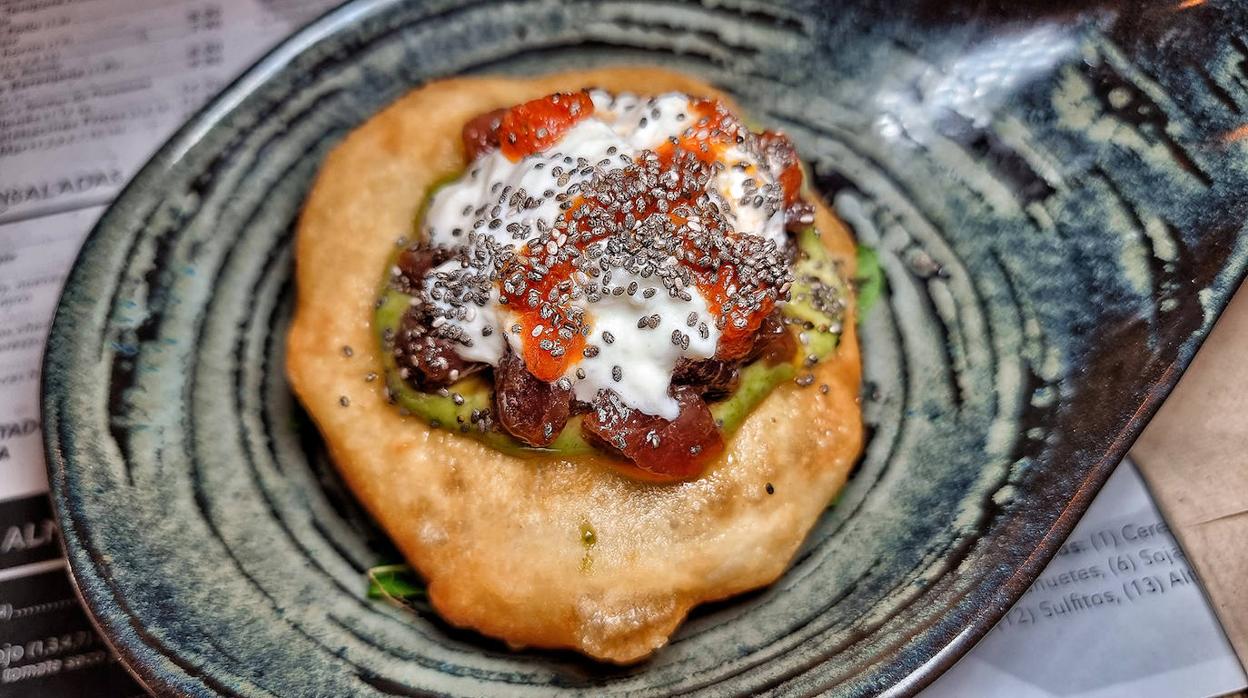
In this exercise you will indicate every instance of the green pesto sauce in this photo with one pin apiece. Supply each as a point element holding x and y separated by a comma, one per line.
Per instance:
<point>588,535</point>
<point>589,538</point>
<point>821,335</point>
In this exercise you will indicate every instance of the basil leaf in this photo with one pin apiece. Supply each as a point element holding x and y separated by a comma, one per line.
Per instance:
<point>395,583</point>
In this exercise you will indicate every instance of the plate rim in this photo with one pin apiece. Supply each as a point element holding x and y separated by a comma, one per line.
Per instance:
<point>82,567</point>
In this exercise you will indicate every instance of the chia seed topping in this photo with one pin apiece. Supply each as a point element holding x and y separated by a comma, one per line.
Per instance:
<point>670,208</point>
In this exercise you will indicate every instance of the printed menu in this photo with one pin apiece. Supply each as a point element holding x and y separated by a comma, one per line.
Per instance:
<point>1118,612</point>
<point>89,88</point>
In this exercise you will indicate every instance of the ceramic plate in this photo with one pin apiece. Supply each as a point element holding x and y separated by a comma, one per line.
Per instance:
<point>1057,194</point>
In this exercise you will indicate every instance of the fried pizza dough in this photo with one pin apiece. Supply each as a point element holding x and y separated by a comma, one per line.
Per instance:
<point>501,539</point>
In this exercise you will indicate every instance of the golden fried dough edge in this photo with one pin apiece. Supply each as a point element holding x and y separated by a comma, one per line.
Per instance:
<point>498,537</point>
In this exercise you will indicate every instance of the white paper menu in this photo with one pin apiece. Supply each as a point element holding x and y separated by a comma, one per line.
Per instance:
<point>88,88</point>
<point>1118,612</point>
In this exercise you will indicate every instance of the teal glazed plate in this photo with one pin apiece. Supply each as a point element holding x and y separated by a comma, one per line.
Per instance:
<point>1057,192</point>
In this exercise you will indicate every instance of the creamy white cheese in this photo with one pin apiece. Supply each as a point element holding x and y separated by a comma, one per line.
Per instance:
<point>622,124</point>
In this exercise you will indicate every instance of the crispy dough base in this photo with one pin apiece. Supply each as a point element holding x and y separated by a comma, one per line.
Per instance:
<point>497,537</point>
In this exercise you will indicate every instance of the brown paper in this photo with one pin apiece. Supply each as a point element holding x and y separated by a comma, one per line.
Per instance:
<point>1194,456</point>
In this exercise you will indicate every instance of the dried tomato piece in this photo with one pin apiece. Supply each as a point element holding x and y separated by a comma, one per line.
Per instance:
<point>431,362</point>
<point>414,263</point>
<point>799,215</point>
<point>773,344</point>
<point>712,378</point>
<point>480,135</point>
<point>679,448</point>
<point>529,409</point>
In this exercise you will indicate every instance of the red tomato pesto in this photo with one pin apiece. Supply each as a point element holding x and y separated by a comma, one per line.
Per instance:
<point>538,125</point>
